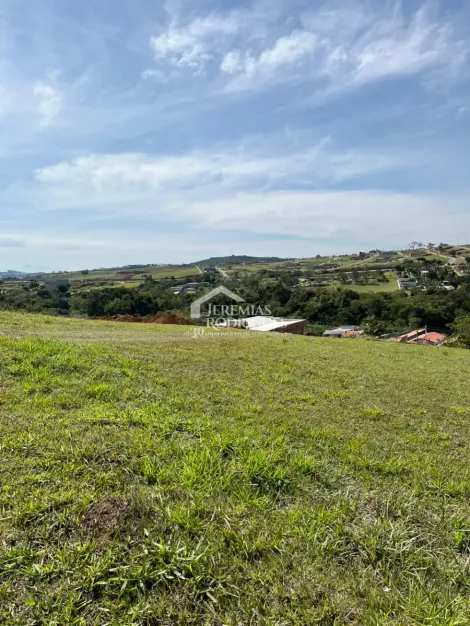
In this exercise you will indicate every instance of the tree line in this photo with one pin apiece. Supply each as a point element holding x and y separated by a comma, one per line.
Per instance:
<point>379,312</point>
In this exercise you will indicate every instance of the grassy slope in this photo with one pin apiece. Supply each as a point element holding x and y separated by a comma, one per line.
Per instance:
<point>151,478</point>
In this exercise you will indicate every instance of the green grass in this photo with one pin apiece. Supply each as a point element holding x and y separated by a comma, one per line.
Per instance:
<point>151,478</point>
<point>176,272</point>
<point>156,271</point>
<point>389,287</point>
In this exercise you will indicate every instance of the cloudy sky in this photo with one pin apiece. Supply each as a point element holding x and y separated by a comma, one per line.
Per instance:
<point>151,131</point>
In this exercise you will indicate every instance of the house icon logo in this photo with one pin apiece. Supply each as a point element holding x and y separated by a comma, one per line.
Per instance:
<point>197,304</point>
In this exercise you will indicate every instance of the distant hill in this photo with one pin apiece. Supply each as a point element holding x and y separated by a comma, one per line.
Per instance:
<point>11,274</point>
<point>239,260</point>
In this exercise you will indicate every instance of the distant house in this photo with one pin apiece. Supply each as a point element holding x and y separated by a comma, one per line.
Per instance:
<point>406,283</point>
<point>353,334</point>
<point>431,339</point>
<point>421,337</point>
<point>446,285</point>
<point>276,324</point>
<point>211,271</point>
<point>409,337</point>
<point>52,285</point>
<point>342,331</point>
<point>187,288</point>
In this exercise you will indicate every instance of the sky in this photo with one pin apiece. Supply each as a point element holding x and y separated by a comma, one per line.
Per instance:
<point>144,131</point>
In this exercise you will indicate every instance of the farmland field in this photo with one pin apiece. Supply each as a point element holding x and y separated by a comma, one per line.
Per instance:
<point>149,477</point>
<point>388,287</point>
<point>157,271</point>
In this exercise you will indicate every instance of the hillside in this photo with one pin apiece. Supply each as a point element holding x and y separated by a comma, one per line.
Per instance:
<point>11,274</point>
<point>152,478</point>
<point>365,272</point>
<point>238,260</point>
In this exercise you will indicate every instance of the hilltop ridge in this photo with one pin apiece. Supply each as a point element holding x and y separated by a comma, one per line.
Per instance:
<point>239,260</point>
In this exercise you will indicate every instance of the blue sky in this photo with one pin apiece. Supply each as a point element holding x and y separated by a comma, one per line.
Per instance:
<point>145,131</point>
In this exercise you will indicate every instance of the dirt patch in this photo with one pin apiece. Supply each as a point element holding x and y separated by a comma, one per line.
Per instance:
<point>105,515</point>
<point>126,318</point>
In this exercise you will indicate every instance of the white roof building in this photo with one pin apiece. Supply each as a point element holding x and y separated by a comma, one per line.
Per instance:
<point>341,331</point>
<point>406,283</point>
<point>267,324</point>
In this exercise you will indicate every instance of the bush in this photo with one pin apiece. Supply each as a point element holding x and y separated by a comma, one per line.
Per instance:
<point>461,328</point>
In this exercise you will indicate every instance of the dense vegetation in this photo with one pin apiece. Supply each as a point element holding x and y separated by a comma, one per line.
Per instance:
<point>380,312</point>
<point>151,478</point>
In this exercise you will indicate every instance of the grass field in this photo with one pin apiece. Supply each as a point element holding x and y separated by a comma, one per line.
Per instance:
<point>389,287</point>
<point>151,478</point>
<point>308,266</point>
<point>157,271</point>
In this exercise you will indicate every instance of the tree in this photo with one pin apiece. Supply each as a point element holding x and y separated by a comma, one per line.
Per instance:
<point>95,304</point>
<point>374,326</point>
<point>367,277</point>
<point>461,328</point>
<point>119,306</point>
<point>149,281</point>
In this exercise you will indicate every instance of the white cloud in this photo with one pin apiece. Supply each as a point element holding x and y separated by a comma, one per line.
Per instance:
<point>232,63</point>
<point>193,45</point>
<point>396,47</point>
<point>224,192</point>
<point>346,45</point>
<point>288,50</point>
<point>228,168</point>
<point>96,103</point>
<point>49,99</point>
<point>249,190</point>
<point>325,214</point>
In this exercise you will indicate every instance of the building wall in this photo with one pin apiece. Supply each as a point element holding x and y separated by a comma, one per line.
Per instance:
<point>293,329</point>
<point>51,285</point>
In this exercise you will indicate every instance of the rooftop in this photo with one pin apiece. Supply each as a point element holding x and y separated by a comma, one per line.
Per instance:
<point>262,323</point>
<point>341,330</point>
<point>265,324</point>
<point>432,337</point>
